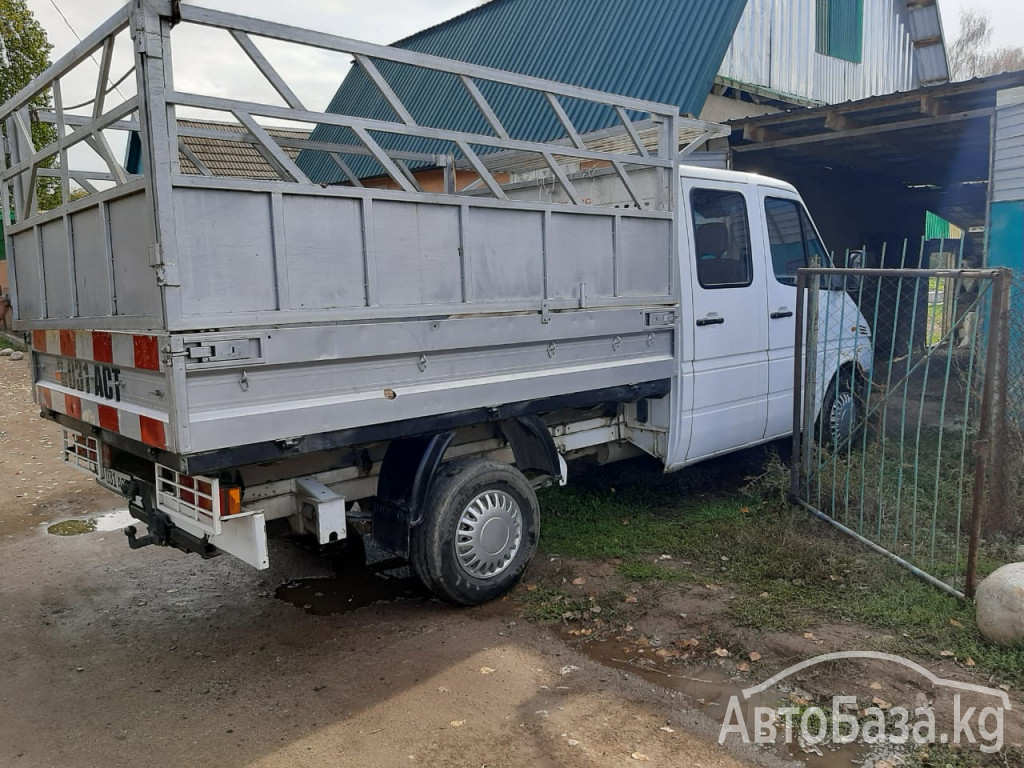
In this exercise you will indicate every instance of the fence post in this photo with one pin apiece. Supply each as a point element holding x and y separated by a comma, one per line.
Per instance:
<point>986,447</point>
<point>997,519</point>
<point>795,490</point>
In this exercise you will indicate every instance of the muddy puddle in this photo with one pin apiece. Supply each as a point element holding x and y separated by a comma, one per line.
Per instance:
<point>111,521</point>
<point>357,588</point>
<point>710,689</point>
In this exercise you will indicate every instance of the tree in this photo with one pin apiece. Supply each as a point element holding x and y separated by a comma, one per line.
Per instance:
<point>24,54</point>
<point>972,54</point>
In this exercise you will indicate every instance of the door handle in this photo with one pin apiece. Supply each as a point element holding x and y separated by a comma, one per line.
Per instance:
<point>710,321</point>
<point>781,314</point>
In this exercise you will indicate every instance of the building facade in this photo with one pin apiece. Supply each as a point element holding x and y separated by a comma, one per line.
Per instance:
<point>788,53</point>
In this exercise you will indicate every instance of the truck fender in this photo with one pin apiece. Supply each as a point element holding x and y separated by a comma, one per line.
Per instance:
<point>405,476</point>
<point>533,446</point>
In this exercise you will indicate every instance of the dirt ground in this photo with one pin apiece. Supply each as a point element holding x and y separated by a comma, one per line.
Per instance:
<point>119,658</point>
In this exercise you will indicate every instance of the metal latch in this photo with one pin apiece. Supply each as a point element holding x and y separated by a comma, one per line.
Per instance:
<point>660,318</point>
<point>222,351</point>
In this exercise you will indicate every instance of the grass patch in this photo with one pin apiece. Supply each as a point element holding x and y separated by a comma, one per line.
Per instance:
<point>548,605</point>
<point>939,756</point>
<point>787,570</point>
<point>8,341</point>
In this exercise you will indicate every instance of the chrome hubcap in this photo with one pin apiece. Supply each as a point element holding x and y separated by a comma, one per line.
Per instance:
<point>488,535</point>
<point>842,415</point>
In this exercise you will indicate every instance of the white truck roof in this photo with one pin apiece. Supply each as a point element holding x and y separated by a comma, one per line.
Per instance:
<point>733,177</point>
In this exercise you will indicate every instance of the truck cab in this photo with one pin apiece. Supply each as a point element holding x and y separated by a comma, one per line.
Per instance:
<point>743,238</point>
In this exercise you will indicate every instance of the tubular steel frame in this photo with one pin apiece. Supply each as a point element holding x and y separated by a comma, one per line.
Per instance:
<point>651,132</point>
<point>988,462</point>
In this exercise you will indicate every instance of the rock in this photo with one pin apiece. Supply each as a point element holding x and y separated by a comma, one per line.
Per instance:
<point>6,351</point>
<point>17,355</point>
<point>1000,606</point>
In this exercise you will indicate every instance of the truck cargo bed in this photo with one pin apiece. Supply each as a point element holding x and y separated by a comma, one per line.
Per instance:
<point>194,312</point>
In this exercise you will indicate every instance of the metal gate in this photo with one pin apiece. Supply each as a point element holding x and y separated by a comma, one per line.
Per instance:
<point>911,456</point>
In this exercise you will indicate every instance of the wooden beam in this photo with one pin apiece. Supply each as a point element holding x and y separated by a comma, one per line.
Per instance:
<point>932,106</point>
<point>870,130</point>
<point>761,134</point>
<point>841,123</point>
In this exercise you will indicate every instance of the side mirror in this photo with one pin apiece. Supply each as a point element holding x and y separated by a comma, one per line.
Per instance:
<point>854,260</point>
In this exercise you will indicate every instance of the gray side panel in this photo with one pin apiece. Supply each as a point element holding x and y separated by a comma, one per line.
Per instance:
<point>225,251</point>
<point>1008,166</point>
<point>417,253</point>
<point>644,260</point>
<point>324,244</point>
<point>92,280</point>
<point>581,251</point>
<point>111,249</point>
<point>57,273</point>
<point>315,379</point>
<point>506,251</point>
<point>26,276</point>
<point>131,237</point>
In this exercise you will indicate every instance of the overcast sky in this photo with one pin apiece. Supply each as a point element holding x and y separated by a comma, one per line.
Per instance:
<point>1007,19</point>
<point>210,62</point>
<point>381,21</point>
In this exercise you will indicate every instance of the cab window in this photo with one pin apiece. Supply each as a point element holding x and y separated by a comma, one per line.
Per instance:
<point>794,241</point>
<point>721,238</point>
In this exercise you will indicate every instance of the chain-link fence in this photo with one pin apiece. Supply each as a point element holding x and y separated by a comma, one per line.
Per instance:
<point>1009,520</point>
<point>901,399</point>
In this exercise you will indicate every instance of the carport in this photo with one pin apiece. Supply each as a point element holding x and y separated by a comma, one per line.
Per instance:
<point>871,169</point>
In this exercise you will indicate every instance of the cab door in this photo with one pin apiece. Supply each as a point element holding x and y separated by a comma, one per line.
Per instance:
<point>730,337</point>
<point>792,242</point>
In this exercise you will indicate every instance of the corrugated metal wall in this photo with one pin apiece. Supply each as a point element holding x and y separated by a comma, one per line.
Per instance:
<point>1008,160</point>
<point>774,48</point>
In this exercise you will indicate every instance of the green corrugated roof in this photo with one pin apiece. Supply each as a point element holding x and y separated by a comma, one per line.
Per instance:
<point>666,51</point>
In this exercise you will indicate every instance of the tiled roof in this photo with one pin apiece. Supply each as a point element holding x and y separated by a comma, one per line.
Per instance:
<point>224,157</point>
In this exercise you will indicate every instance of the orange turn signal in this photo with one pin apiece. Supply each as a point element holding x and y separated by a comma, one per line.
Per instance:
<point>230,500</point>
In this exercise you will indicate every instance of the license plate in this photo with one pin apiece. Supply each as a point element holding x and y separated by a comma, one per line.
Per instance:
<point>113,479</point>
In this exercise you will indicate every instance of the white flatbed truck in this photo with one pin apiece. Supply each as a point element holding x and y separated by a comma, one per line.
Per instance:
<point>233,353</point>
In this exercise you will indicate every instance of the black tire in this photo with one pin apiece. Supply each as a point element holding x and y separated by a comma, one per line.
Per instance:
<point>500,496</point>
<point>842,411</point>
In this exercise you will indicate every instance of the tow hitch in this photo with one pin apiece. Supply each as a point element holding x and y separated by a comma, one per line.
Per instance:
<point>161,531</point>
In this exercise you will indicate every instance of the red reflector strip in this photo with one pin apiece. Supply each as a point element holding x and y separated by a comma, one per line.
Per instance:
<point>109,419</point>
<point>73,406</point>
<point>152,432</point>
<point>127,350</point>
<point>45,399</point>
<point>102,347</point>
<point>147,353</point>
<point>68,347</point>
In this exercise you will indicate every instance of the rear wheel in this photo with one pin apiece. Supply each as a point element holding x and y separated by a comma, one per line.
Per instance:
<point>479,531</point>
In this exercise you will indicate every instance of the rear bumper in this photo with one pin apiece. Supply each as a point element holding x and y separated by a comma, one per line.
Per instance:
<point>180,511</point>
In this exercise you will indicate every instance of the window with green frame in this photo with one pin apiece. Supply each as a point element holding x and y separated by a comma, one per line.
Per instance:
<point>840,29</point>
